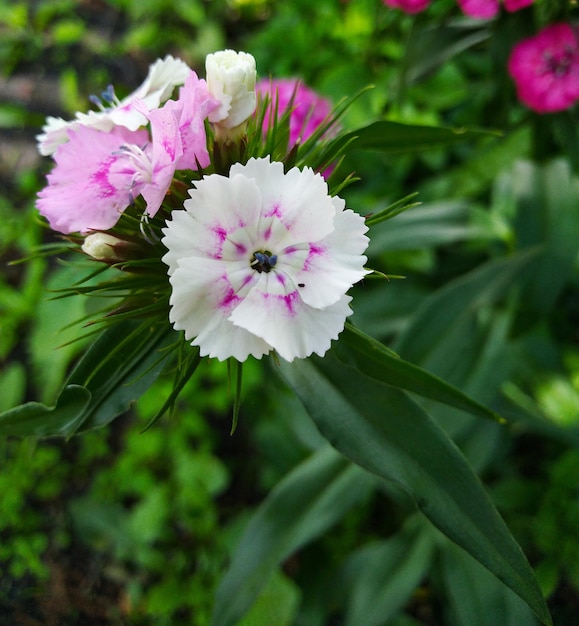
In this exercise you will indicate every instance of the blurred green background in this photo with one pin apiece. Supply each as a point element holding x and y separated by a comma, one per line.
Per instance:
<point>122,526</point>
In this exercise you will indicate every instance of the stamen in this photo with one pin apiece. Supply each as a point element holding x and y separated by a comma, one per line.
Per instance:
<point>108,95</point>
<point>263,261</point>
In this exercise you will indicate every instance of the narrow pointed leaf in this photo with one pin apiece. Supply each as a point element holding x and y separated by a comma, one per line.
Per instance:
<point>119,367</point>
<point>382,430</point>
<point>304,504</point>
<point>378,362</point>
<point>397,138</point>
<point>382,577</point>
<point>437,317</point>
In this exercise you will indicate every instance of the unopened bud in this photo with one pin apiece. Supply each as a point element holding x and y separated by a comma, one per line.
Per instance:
<point>103,247</point>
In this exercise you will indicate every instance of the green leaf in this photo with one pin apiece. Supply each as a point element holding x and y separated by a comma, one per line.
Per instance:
<point>457,303</point>
<point>547,198</point>
<point>426,226</point>
<point>397,138</point>
<point>431,47</point>
<point>119,367</point>
<point>476,597</point>
<point>277,604</point>
<point>38,420</point>
<point>114,372</point>
<point>304,504</point>
<point>382,430</point>
<point>378,362</point>
<point>381,577</point>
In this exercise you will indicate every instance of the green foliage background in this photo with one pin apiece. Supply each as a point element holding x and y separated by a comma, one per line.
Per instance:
<point>122,526</point>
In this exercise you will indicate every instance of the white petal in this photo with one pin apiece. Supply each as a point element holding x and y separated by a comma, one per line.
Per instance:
<point>179,233</point>
<point>54,133</point>
<point>201,301</point>
<point>164,75</point>
<point>295,207</point>
<point>286,323</point>
<point>332,265</point>
<point>224,210</point>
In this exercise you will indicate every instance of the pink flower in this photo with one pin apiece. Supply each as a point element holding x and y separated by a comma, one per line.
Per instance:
<point>517,5</point>
<point>309,109</point>
<point>194,105</point>
<point>487,9</point>
<point>545,69</point>
<point>92,182</point>
<point>480,9</point>
<point>98,173</point>
<point>408,6</point>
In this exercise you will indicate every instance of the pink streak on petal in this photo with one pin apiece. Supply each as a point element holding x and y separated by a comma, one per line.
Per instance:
<point>240,248</point>
<point>315,251</point>
<point>230,300</point>
<point>274,211</point>
<point>289,301</point>
<point>100,178</point>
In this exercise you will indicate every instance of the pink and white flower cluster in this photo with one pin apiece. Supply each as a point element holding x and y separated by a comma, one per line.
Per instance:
<point>106,159</point>
<point>260,259</point>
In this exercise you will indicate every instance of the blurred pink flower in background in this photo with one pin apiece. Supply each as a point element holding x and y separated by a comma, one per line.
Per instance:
<point>545,69</point>
<point>309,109</point>
<point>517,5</point>
<point>487,9</point>
<point>481,9</point>
<point>408,6</point>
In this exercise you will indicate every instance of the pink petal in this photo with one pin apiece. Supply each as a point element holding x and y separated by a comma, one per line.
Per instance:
<point>92,182</point>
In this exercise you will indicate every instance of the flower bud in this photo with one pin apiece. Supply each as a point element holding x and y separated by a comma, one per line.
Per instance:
<point>231,78</point>
<point>103,247</point>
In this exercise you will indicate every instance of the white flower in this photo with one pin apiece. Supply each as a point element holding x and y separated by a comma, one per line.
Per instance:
<point>231,79</point>
<point>261,260</point>
<point>164,75</point>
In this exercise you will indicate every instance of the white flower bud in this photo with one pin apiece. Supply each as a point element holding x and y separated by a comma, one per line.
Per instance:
<point>101,246</point>
<point>231,78</point>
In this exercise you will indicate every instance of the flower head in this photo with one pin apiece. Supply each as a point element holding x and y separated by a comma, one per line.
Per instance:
<point>98,173</point>
<point>261,260</point>
<point>487,9</point>
<point>480,9</point>
<point>308,109</point>
<point>545,69</point>
<point>231,79</point>
<point>516,5</point>
<point>94,179</point>
<point>164,75</point>
<point>408,6</point>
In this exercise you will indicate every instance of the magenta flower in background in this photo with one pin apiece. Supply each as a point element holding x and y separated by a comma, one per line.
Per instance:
<point>309,109</point>
<point>408,6</point>
<point>517,5</point>
<point>480,9</point>
<point>545,69</point>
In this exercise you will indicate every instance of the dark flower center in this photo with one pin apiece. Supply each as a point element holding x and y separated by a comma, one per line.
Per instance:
<point>560,63</point>
<point>263,261</point>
